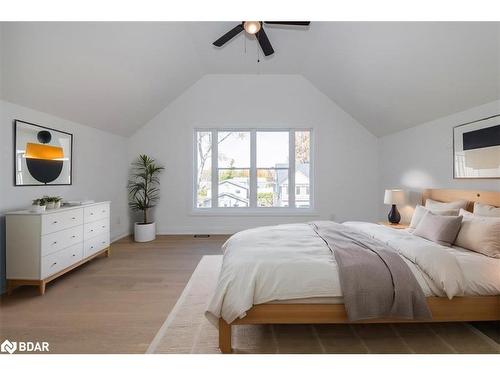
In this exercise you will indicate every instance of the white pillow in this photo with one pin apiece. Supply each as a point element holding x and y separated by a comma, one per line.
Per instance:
<point>420,211</point>
<point>435,205</point>
<point>442,230</point>
<point>486,210</point>
<point>480,234</point>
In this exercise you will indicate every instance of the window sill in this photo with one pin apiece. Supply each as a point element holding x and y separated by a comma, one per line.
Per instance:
<point>283,212</point>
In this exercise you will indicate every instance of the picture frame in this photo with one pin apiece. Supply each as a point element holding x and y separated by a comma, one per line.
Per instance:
<point>476,149</point>
<point>43,156</point>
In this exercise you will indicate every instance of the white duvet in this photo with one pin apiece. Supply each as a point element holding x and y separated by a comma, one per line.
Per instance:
<point>290,261</point>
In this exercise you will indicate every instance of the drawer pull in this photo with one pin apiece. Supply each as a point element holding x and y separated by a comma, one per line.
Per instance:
<point>54,243</point>
<point>103,211</point>
<point>91,230</point>
<point>74,255</point>
<point>54,222</point>
<point>91,247</point>
<point>91,214</point>
<point>104,226</point>
<point>53,264</point>
<point>73,218</point>
<point>73,236</point>
<point>103,242</point>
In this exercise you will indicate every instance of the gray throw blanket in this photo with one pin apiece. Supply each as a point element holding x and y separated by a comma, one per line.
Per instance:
<point>375,280</point>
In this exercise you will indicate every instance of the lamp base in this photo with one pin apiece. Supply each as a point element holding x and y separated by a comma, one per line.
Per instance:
<point>394,216</point>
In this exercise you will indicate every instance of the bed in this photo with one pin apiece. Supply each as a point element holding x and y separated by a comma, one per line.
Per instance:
<point>277,297</point>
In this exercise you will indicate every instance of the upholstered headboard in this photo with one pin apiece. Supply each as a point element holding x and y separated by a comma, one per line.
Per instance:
<point>449,195</point>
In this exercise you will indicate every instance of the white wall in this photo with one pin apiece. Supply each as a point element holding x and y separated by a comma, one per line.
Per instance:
<point>346,177</point>
<point>422,157</point>
<point>99,170</point>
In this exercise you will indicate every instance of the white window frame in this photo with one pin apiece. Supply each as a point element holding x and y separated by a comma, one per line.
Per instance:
<point>253,209</point>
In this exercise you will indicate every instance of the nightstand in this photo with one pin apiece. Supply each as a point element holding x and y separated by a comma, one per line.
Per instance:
<point>395,226</point>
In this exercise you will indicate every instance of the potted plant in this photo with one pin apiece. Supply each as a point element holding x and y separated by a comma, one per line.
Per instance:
<point>144,193</point>
<point>57,202</point>
<point>38,205</point>
<point>49,201</point>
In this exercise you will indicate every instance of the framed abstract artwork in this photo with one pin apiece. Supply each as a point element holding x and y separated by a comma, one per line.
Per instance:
<point>42,156</point>
<point>476,149</point>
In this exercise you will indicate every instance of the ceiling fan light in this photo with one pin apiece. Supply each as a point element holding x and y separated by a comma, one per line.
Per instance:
<point>251,27</point>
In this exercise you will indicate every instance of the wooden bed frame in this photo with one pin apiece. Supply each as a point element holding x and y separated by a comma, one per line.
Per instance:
<point>480,308</point>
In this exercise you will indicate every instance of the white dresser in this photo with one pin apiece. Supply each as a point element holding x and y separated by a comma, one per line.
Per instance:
<point>43,246</point>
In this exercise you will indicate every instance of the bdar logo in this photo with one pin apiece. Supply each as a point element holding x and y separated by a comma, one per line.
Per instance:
<point>8,347</point>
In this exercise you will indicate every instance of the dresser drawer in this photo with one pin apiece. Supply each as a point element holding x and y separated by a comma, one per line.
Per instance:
<point>95,244</point>
<point>60,260</point>
<point>95,228</point>
<point>97,212</point>
<point>61,220</point>
<point>54,242</point>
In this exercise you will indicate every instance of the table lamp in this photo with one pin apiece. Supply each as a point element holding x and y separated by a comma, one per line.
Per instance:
<point>394,197</point>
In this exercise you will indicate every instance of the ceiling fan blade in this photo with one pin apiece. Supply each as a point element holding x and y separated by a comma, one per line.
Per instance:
<point>291,23</point>
<point>228,36</point>
<point>264,42</point>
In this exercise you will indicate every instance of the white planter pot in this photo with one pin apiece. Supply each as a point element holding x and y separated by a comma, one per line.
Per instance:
<point>50,205</point>
<point>57,204</point>
<point>144,232</point>
<point>37,209</point>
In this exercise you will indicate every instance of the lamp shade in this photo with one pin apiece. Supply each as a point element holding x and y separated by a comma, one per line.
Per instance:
<point>394,196</point>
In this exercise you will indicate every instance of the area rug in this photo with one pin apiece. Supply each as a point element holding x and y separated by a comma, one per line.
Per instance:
<point>186,330</point>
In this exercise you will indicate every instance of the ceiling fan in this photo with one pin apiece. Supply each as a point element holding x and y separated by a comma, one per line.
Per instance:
<point>256,28</point>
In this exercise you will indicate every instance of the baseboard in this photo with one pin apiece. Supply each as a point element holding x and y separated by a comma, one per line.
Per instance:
<point>120,236</point>
<point>191,231</point>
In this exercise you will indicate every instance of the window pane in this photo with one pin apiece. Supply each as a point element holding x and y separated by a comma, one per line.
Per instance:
<point>234,188</point>
<point>234,149</point>
<point>302,168</point>
<point>272,149</point>
<point>204,173</point>
<point>272,187</point>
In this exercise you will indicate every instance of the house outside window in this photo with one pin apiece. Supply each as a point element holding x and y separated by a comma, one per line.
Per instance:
<point>252,168</point>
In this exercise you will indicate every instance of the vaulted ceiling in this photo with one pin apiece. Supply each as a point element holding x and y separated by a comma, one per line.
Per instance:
<point>117,76</point>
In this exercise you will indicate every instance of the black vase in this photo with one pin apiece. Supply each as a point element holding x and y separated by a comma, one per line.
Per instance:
<point>394,216</point>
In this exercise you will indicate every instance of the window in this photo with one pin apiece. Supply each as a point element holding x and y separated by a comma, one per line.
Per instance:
<point>252,168</point>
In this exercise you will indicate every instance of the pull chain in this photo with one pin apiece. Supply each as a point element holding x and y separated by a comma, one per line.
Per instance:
<point>258,50</point>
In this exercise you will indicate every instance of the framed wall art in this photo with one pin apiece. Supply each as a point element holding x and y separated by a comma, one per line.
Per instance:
<point>476,149</point>
<point>42,156</point>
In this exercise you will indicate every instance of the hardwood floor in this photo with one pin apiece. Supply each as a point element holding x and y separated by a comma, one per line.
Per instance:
<point>109,305</point>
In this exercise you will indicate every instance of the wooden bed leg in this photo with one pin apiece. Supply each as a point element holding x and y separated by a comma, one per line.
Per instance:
<point>224,337</point>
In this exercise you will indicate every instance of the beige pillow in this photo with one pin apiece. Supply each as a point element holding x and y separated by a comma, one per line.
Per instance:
<point>440,229</point>
<point>420,211</point>
<point>486,210</point>
<point>480,234</point>
<point>435,205</point>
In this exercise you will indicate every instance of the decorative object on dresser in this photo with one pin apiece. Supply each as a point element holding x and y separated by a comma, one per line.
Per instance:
<point>476,149</point>
<point>42,156</point>
<point>394,197</point>
<point>43,246</point>
<point>38,205</point>
<point>144,194</point>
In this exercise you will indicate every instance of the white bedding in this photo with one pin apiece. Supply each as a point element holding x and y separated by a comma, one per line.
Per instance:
<point>290,261</point>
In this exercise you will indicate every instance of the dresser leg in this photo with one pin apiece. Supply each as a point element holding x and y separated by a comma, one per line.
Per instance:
<point>41,287</point>
<point>10,287</point>
<point>108,252</point>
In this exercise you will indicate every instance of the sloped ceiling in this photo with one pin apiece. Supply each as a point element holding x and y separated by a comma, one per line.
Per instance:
<point>117,76</point>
